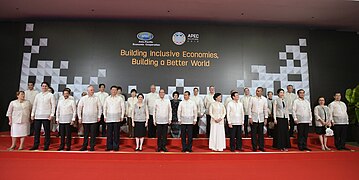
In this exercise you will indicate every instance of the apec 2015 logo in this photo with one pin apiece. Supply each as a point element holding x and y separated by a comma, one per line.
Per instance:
<point>179,38</point>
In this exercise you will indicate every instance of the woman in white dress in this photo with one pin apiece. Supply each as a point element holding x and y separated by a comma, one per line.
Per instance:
<point>19,112</point>
<point>217,111</point>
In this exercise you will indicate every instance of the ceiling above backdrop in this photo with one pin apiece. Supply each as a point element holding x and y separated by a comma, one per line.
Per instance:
<point>330,14</point>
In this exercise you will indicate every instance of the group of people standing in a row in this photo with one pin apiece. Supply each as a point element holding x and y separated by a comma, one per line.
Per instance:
<point>153,114</point>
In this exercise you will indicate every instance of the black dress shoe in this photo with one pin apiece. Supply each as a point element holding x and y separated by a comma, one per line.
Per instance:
<point>158,150</point>
<point>345,148</point>
<point>261,149</point>
<point>92,149</point>
<point>46,148</point>
<point>83,149</point>
<point>232,150</point>
<point>254,150</point>
<point>165,149</point>
<point>34,148</point>
<point>301,149</point>
<point>116,149</point>
<point>239,149</point>
<point>60,148</point>
<point>307,149</point>
<point>108,149</point>
<point>190,150</point>
<point>68,149</point>
<point>184,150</point>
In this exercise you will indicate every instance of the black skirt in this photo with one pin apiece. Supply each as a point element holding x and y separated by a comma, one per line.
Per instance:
<point>140,129</point>
<point>320,130</point>
<point>281,138</point>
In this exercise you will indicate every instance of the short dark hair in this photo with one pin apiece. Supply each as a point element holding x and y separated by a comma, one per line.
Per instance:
<point>19,92</point>
<point>299,91</point>
<point>321,97</point>
<point>233,94</point>
<point>289,85</point>
<point>140,95</point>
<point>216,95</point>
<point>99,86</point>
<point>195,88</point>
<point>162,90</point>
<point>174,93</point>
<point>269,92</point>
<point>67,89</point>
<point>119,88</point>
<point>52,90</point>
<point>187,93</point>
<point>48,85</point>
<point>133,90</point>
<point>32,82</point>
<point>260,88</point>
<point>114,87</point>
<point>337,93</point>
<point>211,86</point>
<point>279,90</point>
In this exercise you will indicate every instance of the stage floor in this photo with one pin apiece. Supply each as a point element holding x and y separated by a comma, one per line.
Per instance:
<point>200,164</point>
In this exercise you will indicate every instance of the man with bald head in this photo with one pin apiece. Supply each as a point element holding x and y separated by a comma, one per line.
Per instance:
<point>89,113</point>
<point>150,102</point>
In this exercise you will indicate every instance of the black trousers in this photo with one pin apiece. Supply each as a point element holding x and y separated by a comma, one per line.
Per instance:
<point>226,128</point>
<point>103,123</point>
<point>208,125</point>
<point>291,124</point>
<point>187,129</point>
<point>246,125</point>
<point>90,128</point>
<point>340,135</point>
<point>151,128</point>
<point>162,130</point>
<point>65,130</point>
<point>37,129</point>
<point>235,141</point>
<point>196,128</point>
<point>281,138</point>
<point>303,130</point>
<point>113,135</point>
<point>257,129</point>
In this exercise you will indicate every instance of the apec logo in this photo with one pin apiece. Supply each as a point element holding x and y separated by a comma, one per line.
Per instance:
<point>145,36</point>
<point>179,38</point>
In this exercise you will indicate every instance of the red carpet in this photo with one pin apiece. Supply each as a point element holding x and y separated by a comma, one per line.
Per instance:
<point>201,164</point>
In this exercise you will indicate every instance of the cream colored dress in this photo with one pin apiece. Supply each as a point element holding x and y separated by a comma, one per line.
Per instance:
<point>20,113</point>
<point>217,138</point>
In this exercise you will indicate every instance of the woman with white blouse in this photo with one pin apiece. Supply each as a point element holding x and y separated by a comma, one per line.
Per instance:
<point>281,138</point>
<point>131,101</point>
<point>217,111</point>
<point>19,112</point>
<point>140,117</point>
<point>323,119</point>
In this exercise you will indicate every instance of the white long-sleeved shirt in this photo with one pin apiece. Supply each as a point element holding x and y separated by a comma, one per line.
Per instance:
<point>227,100</point>
<point>200,106</point>
<point>217,111</point>
<point>19,112</point>
<point>30,95</point>
<point>114,109</point>
<point>278,110</point>
<point>208,100</point>
<point>322,113</point>
<point>187,112</point>
<point>102,96</point>
<point>245,101</point>
<point>44,106</point>
<point>89,109</point>
<point>150,101</point>
<point>66,110</point>
<point>289,99</point>
<point>339,112</point>
<point>235,113</point>
<point>162,111</point>
<point>302,111</point>
<point>131,101</point>
<point>258,109</point>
